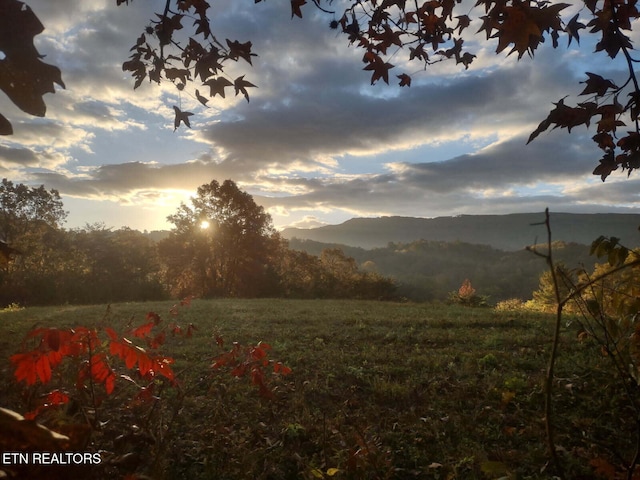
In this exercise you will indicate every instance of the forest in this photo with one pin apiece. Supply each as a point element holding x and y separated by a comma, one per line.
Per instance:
<point>51,265</point>
<point>237,254</point>
<point>429,270</point>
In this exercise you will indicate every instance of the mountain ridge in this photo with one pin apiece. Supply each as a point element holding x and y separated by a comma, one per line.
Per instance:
<point>508,232</point>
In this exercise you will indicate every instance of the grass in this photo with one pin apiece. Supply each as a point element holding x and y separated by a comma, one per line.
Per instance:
<point>378,390</point>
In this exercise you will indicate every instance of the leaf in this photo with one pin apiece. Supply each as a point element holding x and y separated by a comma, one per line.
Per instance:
<point>24,78</point>
<point>380,69</point>
<point>597,84</point>
<point>278,367</point>
<point>43,368</point>
<point>573,29</point>
<point>201,99</point>
<point>333,471</point>
<point>606,166</point>
<point>5,126</point>
<point>405,80</point>
<point>240,50</point>
<point>295,7</point>
<point>217,86</point>
<point>518,27</point>
<point>241,85</point>
<point>143,330</point>
<point>566,117</point>
<point>181,117</point>
<point>101,372</point>
<point>177,73</point>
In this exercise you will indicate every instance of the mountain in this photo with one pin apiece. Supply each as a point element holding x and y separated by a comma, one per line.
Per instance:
<point>505,232</point>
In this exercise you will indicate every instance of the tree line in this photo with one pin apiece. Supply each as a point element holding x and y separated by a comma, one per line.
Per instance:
<point>428,270</point>
<point>222,245</point>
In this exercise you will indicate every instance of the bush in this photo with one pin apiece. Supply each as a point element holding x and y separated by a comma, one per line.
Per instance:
<point>466,296</point>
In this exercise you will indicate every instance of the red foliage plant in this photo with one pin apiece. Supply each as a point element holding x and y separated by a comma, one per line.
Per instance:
<point>45,349</point>
<point>98,350</point>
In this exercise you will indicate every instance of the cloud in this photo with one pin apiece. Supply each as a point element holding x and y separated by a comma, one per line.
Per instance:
<point>317,141</point>
<point>17,156</point>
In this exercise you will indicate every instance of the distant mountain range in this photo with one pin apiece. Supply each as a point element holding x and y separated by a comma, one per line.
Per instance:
<point>504,232</point>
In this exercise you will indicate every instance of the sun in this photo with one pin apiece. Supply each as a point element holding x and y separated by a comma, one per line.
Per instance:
<point>204,224</point>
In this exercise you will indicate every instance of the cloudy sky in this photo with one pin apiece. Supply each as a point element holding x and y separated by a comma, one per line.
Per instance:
<point>317,143</point>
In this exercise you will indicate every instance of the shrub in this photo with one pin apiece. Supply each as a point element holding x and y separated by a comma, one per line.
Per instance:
<point>466,296</point>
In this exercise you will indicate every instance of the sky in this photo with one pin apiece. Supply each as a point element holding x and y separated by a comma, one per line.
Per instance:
<point>317,143</point>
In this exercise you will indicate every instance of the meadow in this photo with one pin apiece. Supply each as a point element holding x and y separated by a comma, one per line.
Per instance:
<point>378,390</point>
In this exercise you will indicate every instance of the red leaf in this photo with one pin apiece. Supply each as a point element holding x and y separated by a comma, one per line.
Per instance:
<point>153,316</point>
<point>43,368</point>
<point>102,373</point>
<point>144,330</point>
<point>282,369</point>
<point>158,340</point>
<point>52,399</point>
<point>25,367</point>
<point>53,339</point>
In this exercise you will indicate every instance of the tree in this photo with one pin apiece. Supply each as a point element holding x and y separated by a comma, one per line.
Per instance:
<point>30,223</point>
<point>221,245</point>
<point>425,32</point>
<point>25,209</point>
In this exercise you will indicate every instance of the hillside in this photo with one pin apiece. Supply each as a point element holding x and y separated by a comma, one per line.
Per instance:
<point>505,232</point>
<point>429,270</point>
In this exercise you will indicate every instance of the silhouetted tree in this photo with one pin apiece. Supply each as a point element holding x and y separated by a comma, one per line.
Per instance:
<point>221,245</point>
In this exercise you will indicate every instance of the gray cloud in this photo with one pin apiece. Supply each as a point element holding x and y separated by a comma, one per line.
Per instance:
<point>17,156</point>
<point>312,114</point>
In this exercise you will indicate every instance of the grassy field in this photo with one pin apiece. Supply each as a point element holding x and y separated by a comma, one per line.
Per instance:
<point>378,391</point>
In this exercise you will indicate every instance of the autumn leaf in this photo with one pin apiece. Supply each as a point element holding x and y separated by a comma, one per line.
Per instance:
<point>177,73</point>
<point>102,373</point>
<point>240,50</point>
<point>598,85</point>
<point>5,126</point>
<point>380,70</point>
<point>143,330</point>
<point>241,85</point>
<point>153,317</point>
<point>405,80</point>
<point>25,78</point>
<point>519,27</point>
<point>295,8</point>
<point>201,99</point>
<point>566,117</point>
<point>604,140</point>
<point>217,85</point>
<point>181,117</point>
<point>573,29</point>
<point>607,165</point>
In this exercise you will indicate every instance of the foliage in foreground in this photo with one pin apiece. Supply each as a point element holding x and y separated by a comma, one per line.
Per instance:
<point>94,376</point>
<point>378,390</point>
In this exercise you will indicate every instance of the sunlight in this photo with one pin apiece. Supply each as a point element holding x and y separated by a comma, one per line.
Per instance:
<point>204,224</point>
